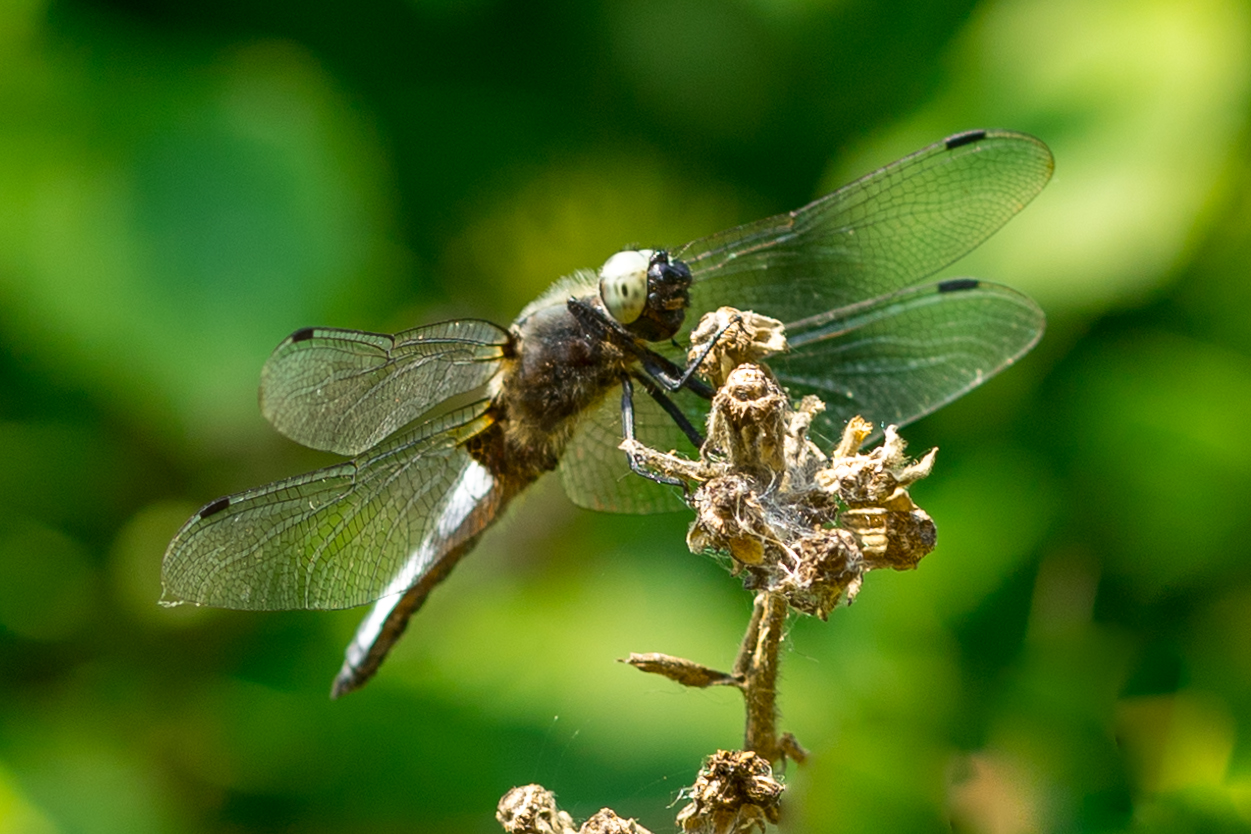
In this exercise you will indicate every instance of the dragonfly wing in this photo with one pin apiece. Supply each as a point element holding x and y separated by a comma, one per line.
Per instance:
<point>594,470</point>
<point>346,391</point>
<point>896,358</point>
<point>883,232</point>
<point>344,535</point>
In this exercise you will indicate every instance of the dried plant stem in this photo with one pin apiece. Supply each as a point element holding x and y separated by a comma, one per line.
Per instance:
<point>757,663</point>
<point>800,526</point>
<point>755,674</point>
<point>756,669</point>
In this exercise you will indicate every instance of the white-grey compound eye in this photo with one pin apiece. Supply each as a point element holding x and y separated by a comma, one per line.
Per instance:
<point>623,284</point>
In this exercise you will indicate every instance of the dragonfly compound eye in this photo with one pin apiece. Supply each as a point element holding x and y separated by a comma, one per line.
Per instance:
<point>623,284</point>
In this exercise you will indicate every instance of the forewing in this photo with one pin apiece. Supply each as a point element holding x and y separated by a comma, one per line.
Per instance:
<point>886,231</point>
<point>346,391</point>
<point>896,358</point>
<point>341,536</point>
<point>594,470</point>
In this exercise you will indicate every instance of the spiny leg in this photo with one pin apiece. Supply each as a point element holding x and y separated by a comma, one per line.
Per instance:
<point>671,408</point>
<point>627,423</point>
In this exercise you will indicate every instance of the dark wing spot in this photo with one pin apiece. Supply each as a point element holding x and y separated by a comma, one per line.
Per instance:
<point>967,138</point>
<point>215,507</point>
<point>302,335</point>
<point>957,284</point>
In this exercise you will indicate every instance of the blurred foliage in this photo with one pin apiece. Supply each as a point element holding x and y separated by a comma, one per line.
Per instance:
<point>184,182</point>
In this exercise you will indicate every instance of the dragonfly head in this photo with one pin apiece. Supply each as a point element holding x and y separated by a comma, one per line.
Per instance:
<point>646,292</point>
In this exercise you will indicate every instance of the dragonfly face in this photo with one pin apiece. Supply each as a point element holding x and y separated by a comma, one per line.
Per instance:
<point>431,466</point>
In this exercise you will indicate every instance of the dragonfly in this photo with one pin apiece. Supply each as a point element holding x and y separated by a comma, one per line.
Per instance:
<point>443,425</point>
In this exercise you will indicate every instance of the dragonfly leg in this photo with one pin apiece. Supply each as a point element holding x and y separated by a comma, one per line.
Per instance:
<point>627,423</point>
<point>673,411</point>
<point>689,373</point>
<point>673,377</point>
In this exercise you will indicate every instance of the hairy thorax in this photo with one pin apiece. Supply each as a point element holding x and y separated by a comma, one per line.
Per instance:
<point>559,371</point>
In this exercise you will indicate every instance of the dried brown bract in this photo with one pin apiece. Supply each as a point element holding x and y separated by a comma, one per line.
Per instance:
<point>680,670</point>
<point>734,793</point>
<point>741,337</point>
<point>892,530</point>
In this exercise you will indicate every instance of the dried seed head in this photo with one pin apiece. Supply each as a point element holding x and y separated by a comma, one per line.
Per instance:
<point>748,423</point>
<point>531,809</point>
<point>742,337</point>
<point>830,566</point>
<point>606,821</point>
<point>892,530</point>
<point>734,793</point>
<point>730,518</point>
<point>792,520</point>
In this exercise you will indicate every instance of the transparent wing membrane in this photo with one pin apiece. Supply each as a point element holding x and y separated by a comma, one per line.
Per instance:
<point>897,358</point>
<point>884,347</point>
<point>594,470</point>
<point>883,232</point>
<point>341,536</point>
<point>346,391</point>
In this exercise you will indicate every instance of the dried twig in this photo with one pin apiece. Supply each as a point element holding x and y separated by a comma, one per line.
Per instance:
<point>758,660</point>
<point>755,674</point>
<point>801,527</point>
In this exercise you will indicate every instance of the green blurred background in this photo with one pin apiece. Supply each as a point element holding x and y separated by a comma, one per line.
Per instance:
<point>184,182</point>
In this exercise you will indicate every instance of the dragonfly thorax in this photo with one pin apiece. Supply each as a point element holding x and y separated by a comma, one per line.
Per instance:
<point>560,369</point>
